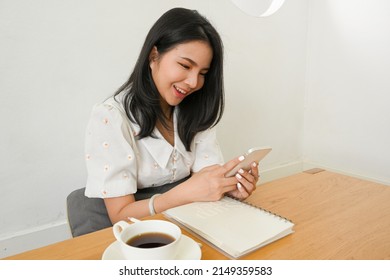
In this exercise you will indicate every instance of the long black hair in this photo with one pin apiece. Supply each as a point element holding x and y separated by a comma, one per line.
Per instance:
<point>197,112</point>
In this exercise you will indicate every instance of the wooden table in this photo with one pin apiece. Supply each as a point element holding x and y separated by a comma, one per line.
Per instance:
<point>335,217</point>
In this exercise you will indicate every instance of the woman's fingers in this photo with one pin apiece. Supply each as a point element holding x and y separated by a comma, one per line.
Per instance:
<point>231,164</point>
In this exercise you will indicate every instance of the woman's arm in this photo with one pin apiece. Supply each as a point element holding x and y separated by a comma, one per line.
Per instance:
<point>124,207</point>
<point>209,184</point>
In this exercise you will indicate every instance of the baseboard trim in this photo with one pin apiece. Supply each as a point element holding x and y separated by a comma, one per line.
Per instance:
<point>281,171</point>
<point>18,242</point>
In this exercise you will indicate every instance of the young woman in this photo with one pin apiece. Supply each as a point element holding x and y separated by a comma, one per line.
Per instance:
<point>153,145</point>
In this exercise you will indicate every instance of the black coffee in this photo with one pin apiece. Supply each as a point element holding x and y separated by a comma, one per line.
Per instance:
<point>150,240</point>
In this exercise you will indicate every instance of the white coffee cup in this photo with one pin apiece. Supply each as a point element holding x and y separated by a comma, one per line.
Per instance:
<point>124,232</point>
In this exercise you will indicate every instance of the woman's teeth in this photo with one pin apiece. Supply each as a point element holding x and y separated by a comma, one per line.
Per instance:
<point>180,90</point>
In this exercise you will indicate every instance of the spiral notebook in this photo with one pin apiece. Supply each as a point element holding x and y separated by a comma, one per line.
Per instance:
<point>234,227</point>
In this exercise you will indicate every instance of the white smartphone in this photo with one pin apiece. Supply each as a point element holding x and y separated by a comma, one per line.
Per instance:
<point>252,155</point>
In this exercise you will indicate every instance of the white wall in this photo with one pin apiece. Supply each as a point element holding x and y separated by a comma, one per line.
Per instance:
<point>347,117</point>
<point>58,58</point>
<point>264,79</point>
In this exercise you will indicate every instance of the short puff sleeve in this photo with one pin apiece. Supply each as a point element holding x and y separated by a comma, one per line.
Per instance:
<point>110,157</point>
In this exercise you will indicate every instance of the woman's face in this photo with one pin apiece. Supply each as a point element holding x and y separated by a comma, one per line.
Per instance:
<point>180,71</point>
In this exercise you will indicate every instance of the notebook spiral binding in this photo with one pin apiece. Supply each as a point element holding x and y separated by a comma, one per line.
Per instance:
<point>258,207</point>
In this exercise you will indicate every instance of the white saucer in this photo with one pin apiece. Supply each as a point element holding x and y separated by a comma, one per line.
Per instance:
<point>188,250</point>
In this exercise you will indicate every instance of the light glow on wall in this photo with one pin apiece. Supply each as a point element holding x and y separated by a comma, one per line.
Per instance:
<point>259,8</point>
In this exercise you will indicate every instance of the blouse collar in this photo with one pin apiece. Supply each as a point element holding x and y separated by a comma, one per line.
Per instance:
<point>159,148</point>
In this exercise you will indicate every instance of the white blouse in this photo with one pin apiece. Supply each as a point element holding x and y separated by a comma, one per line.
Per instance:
<point>118,164</point>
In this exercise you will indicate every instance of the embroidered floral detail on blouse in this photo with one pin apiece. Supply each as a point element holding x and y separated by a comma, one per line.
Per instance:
<point>106,167</point>
<point>106,145</point>
<point>87,157</point>
<point>105,121</point>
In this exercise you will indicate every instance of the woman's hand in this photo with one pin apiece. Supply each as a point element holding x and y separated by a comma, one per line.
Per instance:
<point>210,183</point>
<point>247,181</point>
